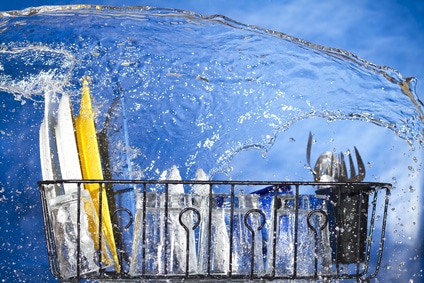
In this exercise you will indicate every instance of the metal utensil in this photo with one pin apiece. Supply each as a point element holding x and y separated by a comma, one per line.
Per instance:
<point>342,177</point>
<point>348,206</point>
<point>327,167</point>
<point>331,167</point>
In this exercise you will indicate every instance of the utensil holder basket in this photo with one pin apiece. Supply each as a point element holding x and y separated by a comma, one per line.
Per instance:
<point>286,231</point>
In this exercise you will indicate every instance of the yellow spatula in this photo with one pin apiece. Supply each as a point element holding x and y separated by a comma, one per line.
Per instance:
<point>91,164</point>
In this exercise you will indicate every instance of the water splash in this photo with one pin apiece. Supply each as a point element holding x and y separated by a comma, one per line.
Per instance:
<point>34,70</point>
<point>199,89</point>
<point>208,92</point>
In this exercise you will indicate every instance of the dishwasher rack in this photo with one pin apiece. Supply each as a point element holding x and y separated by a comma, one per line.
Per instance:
<point>278,230</point>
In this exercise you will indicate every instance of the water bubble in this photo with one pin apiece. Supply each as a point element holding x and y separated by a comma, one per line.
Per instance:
<point>402,266</point>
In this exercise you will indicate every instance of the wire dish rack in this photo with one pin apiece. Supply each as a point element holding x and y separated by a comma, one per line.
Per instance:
<point>279,230</point>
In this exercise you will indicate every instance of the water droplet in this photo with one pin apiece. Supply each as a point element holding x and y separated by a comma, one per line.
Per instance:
<point>402,266</point>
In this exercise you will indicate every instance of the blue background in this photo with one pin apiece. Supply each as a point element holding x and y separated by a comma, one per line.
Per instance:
<point>387,33</point>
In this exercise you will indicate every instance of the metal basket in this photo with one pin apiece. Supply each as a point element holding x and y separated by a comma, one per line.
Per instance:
<point>279,230</point>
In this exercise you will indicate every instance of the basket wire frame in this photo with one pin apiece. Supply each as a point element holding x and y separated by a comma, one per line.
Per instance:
<point>361,270</point>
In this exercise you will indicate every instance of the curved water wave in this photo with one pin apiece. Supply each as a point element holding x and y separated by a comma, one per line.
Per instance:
<point>196,89</point>
<point>174,87</point>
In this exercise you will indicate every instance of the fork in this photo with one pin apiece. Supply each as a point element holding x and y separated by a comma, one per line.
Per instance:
<point>332,167</point>
<point>354,177</point>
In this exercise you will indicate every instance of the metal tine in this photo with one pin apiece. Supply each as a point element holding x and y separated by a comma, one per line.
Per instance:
<point>353,176</point>
<point>361,166</point>
<point>308,152</point>
<point>343,169</point>
<point>352,169</point>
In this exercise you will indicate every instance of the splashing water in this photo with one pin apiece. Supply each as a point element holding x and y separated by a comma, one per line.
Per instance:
<point>174,87</point>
